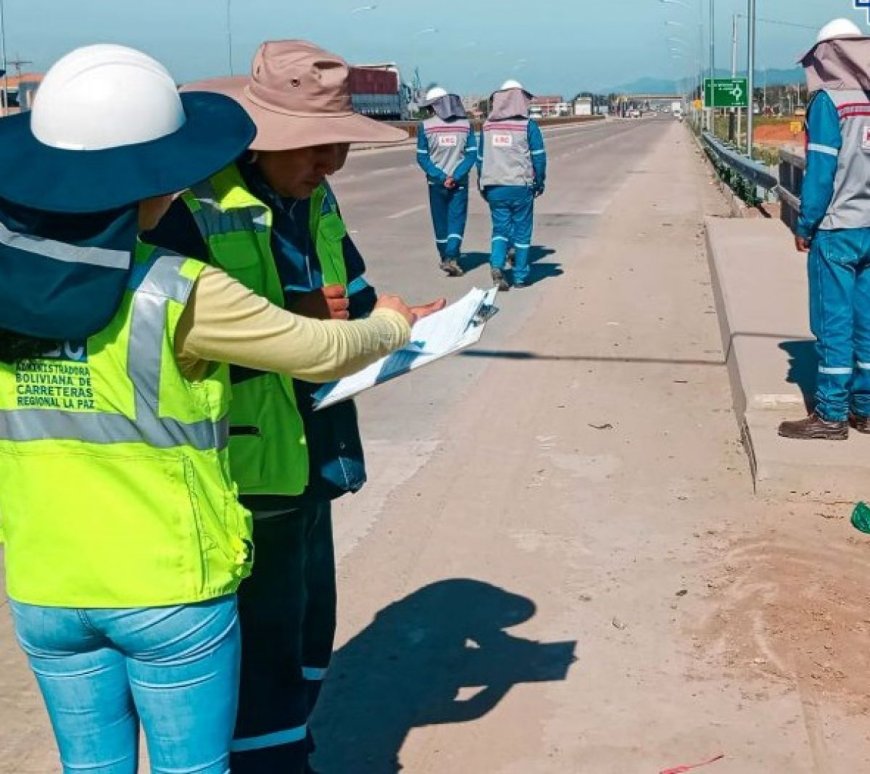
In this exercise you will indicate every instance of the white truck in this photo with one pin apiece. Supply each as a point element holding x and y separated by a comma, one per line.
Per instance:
<point>677,109</point>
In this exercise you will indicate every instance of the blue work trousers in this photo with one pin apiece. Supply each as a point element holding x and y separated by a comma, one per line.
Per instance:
<point>287,611</point>
<point>512,208</point>
<point>102,672</point>
<point>449,208</point>
<point>839,285</point>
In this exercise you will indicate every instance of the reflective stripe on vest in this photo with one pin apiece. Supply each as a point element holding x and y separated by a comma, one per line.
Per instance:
<point>850,205</point>
<point>506,157</point>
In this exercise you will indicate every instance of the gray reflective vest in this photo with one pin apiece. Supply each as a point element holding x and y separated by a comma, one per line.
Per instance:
<point>447,141</point>
<point>506,157</point>
<point>850,206</point>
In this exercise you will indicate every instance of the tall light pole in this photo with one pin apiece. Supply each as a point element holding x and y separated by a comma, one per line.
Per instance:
<point>750,120</point>
<point>230,35</point>
<point>5,63</point>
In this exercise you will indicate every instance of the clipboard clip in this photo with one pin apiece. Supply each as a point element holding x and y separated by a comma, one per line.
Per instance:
<point>484,312</point>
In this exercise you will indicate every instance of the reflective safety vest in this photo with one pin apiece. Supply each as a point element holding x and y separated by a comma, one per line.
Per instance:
<point>116,486</point>
<point>268,451</point>
<point>850,205</point>
<point>506,156</point>
<point>447,141</point>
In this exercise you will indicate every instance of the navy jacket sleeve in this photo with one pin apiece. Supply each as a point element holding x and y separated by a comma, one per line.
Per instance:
<point>178,232</point>
<point>424,159</point>
<point>824,141</point>
<point>539,154</point>
<point>470,158</point>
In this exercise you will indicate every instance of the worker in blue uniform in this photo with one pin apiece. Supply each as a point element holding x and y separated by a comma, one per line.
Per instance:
<point>446,152</point>
<point>834,228</point>
<point>512,172</point>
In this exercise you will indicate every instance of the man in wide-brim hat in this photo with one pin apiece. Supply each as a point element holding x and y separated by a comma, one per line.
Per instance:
<point>272,221</point>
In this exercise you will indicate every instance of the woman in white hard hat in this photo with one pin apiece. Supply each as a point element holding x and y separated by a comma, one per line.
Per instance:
<point>124,539</point>
<point>834,228</point>
<point>447,152</point>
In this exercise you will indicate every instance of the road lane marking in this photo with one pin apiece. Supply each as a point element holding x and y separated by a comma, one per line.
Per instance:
<point>409,211</point>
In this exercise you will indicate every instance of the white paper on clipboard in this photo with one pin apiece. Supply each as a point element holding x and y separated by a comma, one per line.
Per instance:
<point>454,328</point>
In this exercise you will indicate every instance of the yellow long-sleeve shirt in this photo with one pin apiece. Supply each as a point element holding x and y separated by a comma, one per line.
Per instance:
<point>226,322</point>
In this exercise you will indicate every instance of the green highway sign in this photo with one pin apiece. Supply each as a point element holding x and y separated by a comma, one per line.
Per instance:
<point>726,93</point>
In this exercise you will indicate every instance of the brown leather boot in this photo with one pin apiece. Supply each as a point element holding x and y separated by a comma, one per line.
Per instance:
<point>814,428</point>
<point>860,423</point>
<point>451,268</point>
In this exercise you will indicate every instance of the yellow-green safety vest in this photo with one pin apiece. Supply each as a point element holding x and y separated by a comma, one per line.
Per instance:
<point>268,452</point>
<point>116,485</point>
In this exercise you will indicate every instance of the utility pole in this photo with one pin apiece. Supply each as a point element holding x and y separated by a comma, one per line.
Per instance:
<point>750,119</point>
<point>712,127</point>
<point>734,117</point>
<point>5,65</point>
<point>230,36</point>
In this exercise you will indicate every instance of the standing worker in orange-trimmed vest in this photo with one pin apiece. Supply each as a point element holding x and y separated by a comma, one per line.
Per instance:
<point>834,228</point>
<point>447,152</point>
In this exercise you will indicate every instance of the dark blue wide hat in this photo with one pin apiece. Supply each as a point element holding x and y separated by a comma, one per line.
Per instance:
<point>107,130</point>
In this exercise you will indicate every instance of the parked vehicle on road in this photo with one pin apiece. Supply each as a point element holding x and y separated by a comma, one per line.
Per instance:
<point>377,91</point>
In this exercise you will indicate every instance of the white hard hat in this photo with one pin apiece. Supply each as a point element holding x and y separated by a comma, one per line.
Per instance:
<point>105,96</point>
<point>510,83</point>
<point>839,28</point>
<point>436,92</point>
<point>109,129</point>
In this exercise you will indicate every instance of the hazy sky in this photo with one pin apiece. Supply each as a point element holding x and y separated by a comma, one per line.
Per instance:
<point>553,46</point>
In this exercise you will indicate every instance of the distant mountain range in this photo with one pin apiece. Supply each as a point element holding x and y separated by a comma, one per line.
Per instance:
<point>772,77</point>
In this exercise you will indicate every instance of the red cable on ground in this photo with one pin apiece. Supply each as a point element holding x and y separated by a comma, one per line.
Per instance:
<point>684,769</point>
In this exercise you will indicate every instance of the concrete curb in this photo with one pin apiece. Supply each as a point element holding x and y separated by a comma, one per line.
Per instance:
<point>759,286</point>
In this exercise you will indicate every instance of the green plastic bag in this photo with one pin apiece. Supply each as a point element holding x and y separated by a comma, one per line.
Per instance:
<point>861,517</point>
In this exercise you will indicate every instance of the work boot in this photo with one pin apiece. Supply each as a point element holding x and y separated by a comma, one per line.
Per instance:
<point>500,280</point>
<point>860,423</point>
<point>815,428</point>
<point>451,268</point>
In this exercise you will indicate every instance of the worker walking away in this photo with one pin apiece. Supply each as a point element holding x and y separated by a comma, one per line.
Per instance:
<point>446,152</point>
<point>834,227</point>
<point>512,171</point>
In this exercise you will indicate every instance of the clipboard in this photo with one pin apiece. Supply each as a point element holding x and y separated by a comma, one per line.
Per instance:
<point>439,335</point>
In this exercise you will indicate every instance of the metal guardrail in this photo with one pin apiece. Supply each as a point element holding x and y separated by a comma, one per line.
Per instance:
<point>731,163</point>
<point>791,177</point>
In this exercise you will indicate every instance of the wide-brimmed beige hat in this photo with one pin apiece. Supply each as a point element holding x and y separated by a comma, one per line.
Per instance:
<point>298,95</point>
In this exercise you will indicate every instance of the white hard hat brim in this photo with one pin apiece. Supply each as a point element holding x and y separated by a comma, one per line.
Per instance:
<point>216,132</point>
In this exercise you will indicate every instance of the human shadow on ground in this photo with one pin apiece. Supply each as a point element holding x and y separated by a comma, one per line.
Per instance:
<point>540,269</point>
<point>440,655</point>
<point>803,367</point>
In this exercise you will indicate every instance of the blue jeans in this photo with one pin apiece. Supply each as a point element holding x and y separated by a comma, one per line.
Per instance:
<point>102,672</point>
<point>449,209</point>
<point>839,284</point>
<point>512,209</point>
<point>287,611</point>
